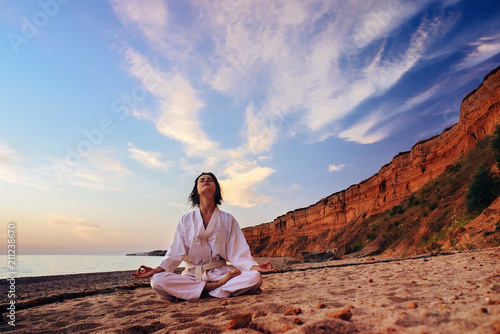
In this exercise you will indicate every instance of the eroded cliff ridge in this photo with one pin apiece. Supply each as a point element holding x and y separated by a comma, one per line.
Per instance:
<point>316,228</point>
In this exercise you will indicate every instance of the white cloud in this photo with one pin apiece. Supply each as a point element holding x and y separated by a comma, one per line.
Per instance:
<point>260,133</point>
<point>177,118</point>
<point>335,168</point>
<point>300,58</point>
<point>81,227</point>
<point>14,168</point>
<point>97,170</point>
<point>178,104</point>
<point>484,49</point>
<point>239,185</point>
<point>364,132</point>
<point>149,17</point>
<point>148,158</point>
<point>282,62</point>
<point>377,20</point>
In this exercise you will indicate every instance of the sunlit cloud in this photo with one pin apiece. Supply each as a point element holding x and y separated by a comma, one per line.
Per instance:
<point>365,132</point>
<point>240,182</point>
<point>484,49</point>
<point>148,158</point>
<point>177,117</point>
<point>303,73</point>
<point>335,168</point>
<point>311,66</point>
<point>81,227</point>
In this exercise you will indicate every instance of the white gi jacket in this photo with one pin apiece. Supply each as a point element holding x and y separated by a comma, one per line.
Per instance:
<point>222,240</point>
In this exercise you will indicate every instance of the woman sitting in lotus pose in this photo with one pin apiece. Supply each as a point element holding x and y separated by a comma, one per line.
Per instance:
<point>205,239</point>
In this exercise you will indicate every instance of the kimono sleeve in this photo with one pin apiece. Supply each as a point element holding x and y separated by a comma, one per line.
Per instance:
<point>176,252</point>
<point>238,252</point>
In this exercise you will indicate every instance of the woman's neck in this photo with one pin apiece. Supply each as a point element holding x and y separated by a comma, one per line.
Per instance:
<point>207,208</point>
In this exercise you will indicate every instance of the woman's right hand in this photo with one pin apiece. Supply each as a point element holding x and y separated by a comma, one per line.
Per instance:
<point>144,272</point>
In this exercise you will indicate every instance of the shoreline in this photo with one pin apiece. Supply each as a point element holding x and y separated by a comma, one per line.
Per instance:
<point>83,284</point>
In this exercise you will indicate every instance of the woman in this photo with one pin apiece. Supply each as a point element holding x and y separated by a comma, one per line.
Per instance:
<point>204,240</point>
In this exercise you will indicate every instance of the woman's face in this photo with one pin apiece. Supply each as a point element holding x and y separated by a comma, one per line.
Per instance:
<point>206,186</point>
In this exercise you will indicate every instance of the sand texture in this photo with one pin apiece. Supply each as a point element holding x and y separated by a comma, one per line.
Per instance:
<point>454,293</point>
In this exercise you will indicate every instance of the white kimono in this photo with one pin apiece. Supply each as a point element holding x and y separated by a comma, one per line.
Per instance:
<point>205,252</point>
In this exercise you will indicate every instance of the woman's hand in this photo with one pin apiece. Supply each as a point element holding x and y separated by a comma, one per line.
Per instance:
<point>264,268</point>
<point>145,272</point>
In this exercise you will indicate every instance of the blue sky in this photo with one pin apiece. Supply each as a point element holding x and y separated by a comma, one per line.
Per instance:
<point>111,109</point>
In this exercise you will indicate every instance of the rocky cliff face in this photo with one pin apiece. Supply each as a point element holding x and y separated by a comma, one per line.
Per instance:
<point>309,228</point>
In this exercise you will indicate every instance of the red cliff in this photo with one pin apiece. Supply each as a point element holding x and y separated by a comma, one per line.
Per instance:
<point>396,181</point>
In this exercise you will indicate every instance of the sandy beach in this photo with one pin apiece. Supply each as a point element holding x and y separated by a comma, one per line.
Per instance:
<point>445,293</point>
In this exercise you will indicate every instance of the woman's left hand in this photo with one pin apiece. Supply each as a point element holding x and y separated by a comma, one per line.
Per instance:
<point>264,268</point>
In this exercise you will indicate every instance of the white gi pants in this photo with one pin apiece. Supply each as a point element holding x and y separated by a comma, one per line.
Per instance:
<point>168,285</point>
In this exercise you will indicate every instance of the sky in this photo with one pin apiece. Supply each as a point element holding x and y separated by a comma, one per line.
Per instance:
<point>110,109</point>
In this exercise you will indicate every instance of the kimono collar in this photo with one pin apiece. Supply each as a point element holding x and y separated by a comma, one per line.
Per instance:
<point>213,219</point>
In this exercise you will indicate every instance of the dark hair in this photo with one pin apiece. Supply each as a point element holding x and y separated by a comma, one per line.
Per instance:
<point>194,197</point>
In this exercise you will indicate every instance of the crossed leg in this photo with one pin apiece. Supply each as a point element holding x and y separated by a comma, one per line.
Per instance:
<point>169,285</point>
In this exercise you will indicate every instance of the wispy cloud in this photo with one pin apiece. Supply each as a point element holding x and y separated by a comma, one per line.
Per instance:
<point>98,170</point>
<point>177,117</point>
<point>148,158</point>
<point>150,18</point>
<point>365,131</point>
<point>483,49</point>
<point>302,58</point>
<point>179,106</point>
<point>13,168</point>
<point>335,168</point>
<point>312,64</point>
<point>8,158</point>
<point>81,227</point>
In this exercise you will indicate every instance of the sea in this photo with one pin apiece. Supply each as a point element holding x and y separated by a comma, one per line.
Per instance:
<point>47,265</point>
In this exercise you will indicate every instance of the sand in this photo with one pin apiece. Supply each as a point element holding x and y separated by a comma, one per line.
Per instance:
<point>453,293</point>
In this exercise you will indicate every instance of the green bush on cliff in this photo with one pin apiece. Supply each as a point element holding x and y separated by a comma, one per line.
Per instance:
<point>482,191</point>
<point>495,143</point>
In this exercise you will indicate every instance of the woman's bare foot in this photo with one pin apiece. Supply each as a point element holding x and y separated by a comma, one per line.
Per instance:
<point>229,275</point>
<point>209,286</point>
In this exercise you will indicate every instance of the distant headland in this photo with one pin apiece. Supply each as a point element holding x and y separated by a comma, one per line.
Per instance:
<point>158,252</point>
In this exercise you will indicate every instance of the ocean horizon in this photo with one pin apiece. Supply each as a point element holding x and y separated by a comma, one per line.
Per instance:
<point>48,265</point>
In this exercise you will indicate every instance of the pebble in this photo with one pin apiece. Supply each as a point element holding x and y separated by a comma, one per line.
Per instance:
<point>285,328</point>
<point>490,301</point>
<point>321,305</point>
<point>412,305</point>
<point>293,311</point>
<point>344,314</point>
<point>483,310</point>
<point>242,320</point>
<point>443,308</point>
<point>297,321</point>
<point>259,313</point>
<point>224,302</point>
<point>370,280</point>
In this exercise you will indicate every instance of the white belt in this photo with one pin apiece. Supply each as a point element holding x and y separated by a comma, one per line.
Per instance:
<point>200,270</point>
